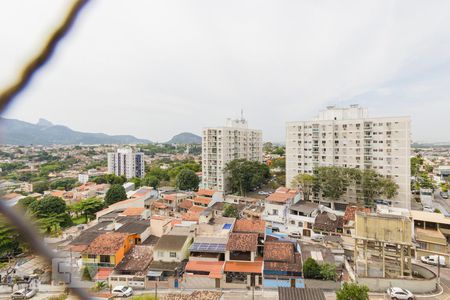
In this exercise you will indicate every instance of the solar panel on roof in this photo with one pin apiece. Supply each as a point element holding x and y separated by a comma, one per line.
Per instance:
<point>226,226</point>
<point>207,247</point>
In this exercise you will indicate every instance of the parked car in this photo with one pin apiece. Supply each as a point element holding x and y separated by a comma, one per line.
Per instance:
<point>433,260</point>
<point>317,237</point>
<point>383,202</point>
<point>263,193</point>
<point>428,208</point>
<point>24,294</point>
<point>444,195</point>
<point>122,291</point>
<point>400,294</point>
<point>295,235</point>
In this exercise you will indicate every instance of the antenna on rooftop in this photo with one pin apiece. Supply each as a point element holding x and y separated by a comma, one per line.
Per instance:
<point>242,114</point>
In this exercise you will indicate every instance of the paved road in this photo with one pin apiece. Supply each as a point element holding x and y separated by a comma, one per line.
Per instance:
<point>441,203</point>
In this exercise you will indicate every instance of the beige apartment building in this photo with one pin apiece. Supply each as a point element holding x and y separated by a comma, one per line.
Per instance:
<point>221,145</point>
<point>348,137</point>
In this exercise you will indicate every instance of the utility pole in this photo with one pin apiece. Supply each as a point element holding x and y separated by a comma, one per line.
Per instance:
<point>439,269</point>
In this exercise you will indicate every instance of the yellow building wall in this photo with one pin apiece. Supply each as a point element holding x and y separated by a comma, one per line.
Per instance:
<point>383,228</point>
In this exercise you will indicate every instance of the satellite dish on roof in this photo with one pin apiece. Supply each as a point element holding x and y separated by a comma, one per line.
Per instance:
<point>332,217</point>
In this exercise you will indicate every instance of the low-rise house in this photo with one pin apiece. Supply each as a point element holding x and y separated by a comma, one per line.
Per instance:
<point>203,274</point>
<point>108,249</point>
<point>277,205</point>
<point>253,211</point>
<point>172,200</point>
<point>242,266</point>
<point>169,256</point>
<point>133,268</point>
<point>328,223</point>
<point>282,265</point>
<point>301,217</point>
<point>211,239</point>
<point>184,206</point>
<point>252,226</point>
<point>432,234</point>
<point>241,200</point>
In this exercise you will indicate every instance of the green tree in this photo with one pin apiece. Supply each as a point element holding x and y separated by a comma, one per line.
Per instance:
<point>416,164</point>
<point>137,182</point>
<point>9,238</point>
<point>187,180</point>
<point>305,182</point>
<point>352,291</point>
<point>151,180</point>
<point>25,202</point>
<point>278,163</point>
<point>40,187</point>
<point>245,175</point>
<point>115,194</point>
<point>333,181</point>
<point>311,269</point>
<point>375,185</point>
<point>88,207</point>
<point>230,211</point>
<point>51,213</point>
<point>328,272</point>
<point>64,184</point>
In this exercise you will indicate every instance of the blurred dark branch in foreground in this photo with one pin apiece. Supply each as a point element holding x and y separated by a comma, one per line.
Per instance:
<point>7,95</point>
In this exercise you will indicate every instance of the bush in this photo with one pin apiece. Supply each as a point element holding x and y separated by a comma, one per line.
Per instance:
<point>328,272</point>
<point>311,269</point>
<point>352,291</point>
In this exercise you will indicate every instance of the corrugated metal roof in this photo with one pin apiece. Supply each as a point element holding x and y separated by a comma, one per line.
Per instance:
<point>300,294</point>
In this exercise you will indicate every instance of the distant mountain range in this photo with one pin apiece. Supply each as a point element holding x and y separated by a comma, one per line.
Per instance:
<point>185,138</point>
<point>15,132</point>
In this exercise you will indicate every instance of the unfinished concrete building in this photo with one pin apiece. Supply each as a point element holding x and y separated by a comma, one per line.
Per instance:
<point>383,245</point>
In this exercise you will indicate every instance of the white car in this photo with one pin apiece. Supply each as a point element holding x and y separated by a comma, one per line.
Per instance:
<point>400,294</point>
<point>263,193</point>
<point>24,294</point>
<point>122,291</point>
<point>428,209</point>
<point>433,260</point>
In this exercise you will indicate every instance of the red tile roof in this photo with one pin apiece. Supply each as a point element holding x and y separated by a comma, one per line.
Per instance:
<point>279,251</point>
<point>133,211</point>
<point>202,200</point>
<point>247,225</point>
<point>186,204</point>
<point>351,210</point>
<point>196,209</point>
<point>243,266</point>
<point>206,192</point>
<point>242,242</point>
<point>107,244</point>
<point>213,267</point>
<point>282,195</point>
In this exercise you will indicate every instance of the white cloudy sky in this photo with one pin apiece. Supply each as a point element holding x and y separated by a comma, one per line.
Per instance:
<point>156,68</point>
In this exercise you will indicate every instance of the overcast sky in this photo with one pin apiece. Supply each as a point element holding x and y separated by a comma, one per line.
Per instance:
<point>156,68</point>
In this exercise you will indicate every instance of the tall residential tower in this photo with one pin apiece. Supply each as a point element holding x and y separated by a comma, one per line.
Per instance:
<point>221,145</point>
<point>126,162</point>
<point>348,137</point>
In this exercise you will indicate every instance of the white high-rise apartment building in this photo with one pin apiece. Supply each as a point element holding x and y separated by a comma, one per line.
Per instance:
<point>348,137</point>
<point>221,145</point>
<point>126,162</point>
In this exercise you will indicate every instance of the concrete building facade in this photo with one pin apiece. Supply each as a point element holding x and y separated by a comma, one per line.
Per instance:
<point>221,145</point>
<point>348,137</point>
<point>126,162</point>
